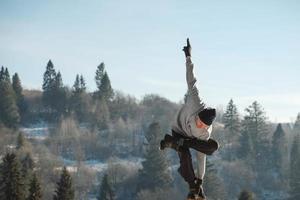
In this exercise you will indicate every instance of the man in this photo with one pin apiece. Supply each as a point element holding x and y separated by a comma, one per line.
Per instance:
<point>192,129</point>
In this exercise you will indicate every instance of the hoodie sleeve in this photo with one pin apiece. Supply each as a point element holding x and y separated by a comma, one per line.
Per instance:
<point>193,101</point>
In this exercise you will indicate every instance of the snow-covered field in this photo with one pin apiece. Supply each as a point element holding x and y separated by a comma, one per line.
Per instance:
<point>101,166</point>
<point>39,133</point>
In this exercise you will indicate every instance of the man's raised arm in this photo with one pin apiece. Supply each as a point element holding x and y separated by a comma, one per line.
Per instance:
<point>190,78</point>
<point>193,99</point>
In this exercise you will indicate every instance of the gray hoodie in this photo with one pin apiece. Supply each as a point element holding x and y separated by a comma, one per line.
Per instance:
<point>185,122</point>
<point>185,119</point>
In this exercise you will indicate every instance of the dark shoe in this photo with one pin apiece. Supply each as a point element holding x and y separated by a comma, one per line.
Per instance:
<point>194,188</point>
<point>192,195</point>
<point>171,142</point>
<point>201,195</point>
<point>162,145</point>
<point>200,191</point>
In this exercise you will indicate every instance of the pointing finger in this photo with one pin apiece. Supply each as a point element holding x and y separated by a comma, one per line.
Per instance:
<point>188,42</point>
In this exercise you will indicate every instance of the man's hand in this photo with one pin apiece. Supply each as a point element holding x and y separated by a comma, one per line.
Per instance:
<point>187,49</point>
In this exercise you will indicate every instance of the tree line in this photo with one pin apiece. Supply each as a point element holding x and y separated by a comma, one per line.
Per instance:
<point>255,154</point>
<point>16,184</point>
<point>12,103</point>
<point>57,99</point>
<point>263,150</point>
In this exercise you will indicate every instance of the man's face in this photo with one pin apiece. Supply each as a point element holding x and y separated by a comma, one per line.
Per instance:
<point>200,124</point>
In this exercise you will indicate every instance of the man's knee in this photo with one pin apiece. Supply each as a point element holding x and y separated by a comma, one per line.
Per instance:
<point>184,154</point>
<point>213,145</point>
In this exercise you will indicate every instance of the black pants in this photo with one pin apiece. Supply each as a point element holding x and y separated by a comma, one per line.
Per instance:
<point>186,169</point>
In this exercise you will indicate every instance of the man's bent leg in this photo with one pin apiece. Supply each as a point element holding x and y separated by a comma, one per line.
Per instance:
<point>186,169</point>
<point>201,164</point>
<point>207,147</point>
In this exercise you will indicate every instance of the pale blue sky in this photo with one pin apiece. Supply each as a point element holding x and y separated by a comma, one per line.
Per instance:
<point>245,50</point>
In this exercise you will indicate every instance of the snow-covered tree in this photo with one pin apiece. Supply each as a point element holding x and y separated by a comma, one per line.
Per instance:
<point>64,189</point>
<point>11,183</point>
<point>35,190</point>
<point>155,171</point>
<point>106,191</point>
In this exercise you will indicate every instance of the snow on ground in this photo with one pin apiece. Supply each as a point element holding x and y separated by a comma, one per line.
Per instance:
<point>39,133</point>
<point>101,166</point>
<point>10,146</point>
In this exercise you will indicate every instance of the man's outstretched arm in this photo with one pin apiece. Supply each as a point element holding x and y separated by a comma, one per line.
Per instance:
<point>190,78</point>
<point>193,99</point>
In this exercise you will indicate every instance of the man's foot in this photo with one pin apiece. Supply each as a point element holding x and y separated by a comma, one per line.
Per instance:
<point>166,142</point>
<point>170,142</point>
<point>162,145</point>
<point>200,191</point>
<point>191,195</point>
<point>194,188</point>
<point>201,195</point>
<point>197,189</point>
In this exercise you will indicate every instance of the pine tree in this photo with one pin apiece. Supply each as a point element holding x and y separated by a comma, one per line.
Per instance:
<point>245,146</point>
<point>20,141</point>
<point>17,87</point>
<point>255,121</point>
<point>99,75</point>
<point>7,76</point>
<point>76,86</point>
<point>246,195</point>
<point>9,114</point>
<point>54,93</point>
<point>59,99</point>
<point>49,84</point>
<point>259,155</point>
<point>296,127</point>
<point>104,89</point>
<point>155,169</point>
<point>35,191</point>
<point>11,183</point>
<point>49,76</point>
<point>106,191</point>
<point>78,98</point>
<point>255,128</point>
<point>2,74</point>
<point>294,169</point>
<point>79,85</point>
<point>58,80</point>
<point>27,165</point>
<point>16,84</point>
<point>101,115</point>
<point>27,162</point>
<point>213,185</point>
<point>82,84</point>
<point>64,190</point>
<point>231,118</point>
<point>279,150</point>
<point>232,126</point>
